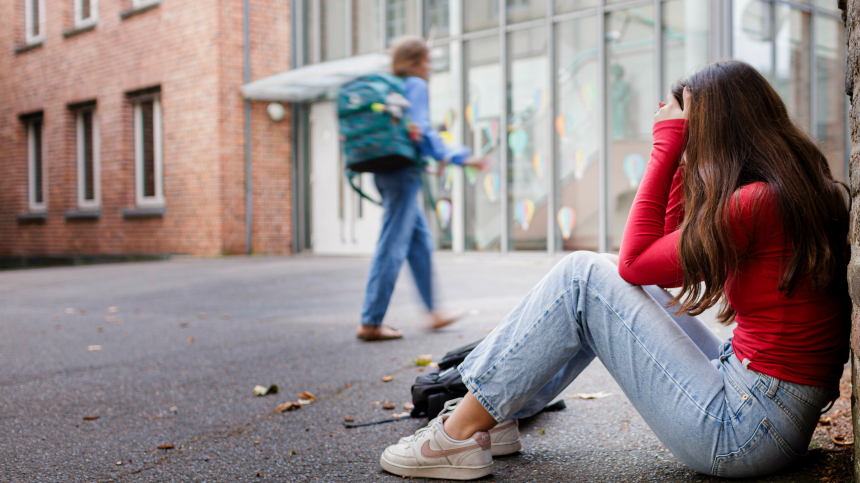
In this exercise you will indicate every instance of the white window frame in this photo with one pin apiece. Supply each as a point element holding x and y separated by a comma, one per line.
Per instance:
<point>80,21</point>
<point>83,203</point>
<point>136,4</point>
<point>36,207</point>
<point>30,22</point>
<point>141,200</point>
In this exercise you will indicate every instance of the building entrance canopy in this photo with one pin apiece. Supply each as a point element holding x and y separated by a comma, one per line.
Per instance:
<point>313,81</point>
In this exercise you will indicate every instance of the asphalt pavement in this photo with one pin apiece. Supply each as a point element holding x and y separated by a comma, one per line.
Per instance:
<point>101,365</point>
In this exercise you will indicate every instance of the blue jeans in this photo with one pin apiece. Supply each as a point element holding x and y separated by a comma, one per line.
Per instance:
<point>405,236</point>
<point>712,413</point>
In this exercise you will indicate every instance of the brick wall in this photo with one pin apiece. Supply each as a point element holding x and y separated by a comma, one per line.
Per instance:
<point>193,50</point>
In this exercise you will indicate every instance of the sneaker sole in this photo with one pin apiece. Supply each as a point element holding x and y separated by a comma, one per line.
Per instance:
<point>507,448</point>
<point>440,472</point>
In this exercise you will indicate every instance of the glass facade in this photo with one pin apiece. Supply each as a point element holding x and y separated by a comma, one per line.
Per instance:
<point>559,95</point>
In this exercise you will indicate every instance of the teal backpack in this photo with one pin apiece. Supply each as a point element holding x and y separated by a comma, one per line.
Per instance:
<point>372,115</point>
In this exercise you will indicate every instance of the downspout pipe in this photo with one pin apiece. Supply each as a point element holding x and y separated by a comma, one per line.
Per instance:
<point>249,195</point>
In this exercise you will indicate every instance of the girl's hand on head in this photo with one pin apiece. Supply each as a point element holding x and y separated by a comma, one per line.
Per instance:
<point>671,109</point>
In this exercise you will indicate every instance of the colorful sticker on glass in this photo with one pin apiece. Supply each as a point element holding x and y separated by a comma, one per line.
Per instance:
<point>540,100</point>
<point>524,211</point>
<point>517,141</point>
<point>471,174</point>
<point>448,178</point>
<point>588,94</point>
<point>492,185</point>
<point>443,213</point>
<point>471,114</point>
<point>634,168</point>
<point>450,117</point>
<point>566,220</point>
<point>539,164</point>
<point>563,125</point>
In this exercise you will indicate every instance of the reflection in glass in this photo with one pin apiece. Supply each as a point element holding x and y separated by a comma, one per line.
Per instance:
<point>563,6</point>
<point>333,29</point>
<point>793,70</point>
<point>443,118</point>
<point>521,10</point>
<point>480,14</point>
<point>401,18</point>
<point>685,37</point>
<point>831,118</point>
<point>437,16</point>
<point>528,139</point>
<point>631,105</point>
<point>753,34</point>
<point>367,36</point>
<point>483,216</point>
<point>577,131</point>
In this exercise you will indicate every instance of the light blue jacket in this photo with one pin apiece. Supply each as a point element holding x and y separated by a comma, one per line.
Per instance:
<point>418,113</point>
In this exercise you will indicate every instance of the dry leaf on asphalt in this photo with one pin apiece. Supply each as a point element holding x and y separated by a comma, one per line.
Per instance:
<point>225,316</point>
<point>387,378</point>
<point>70,310</point>
<point>191,340</point>
<point>91,417</point>
<point>541,431</point>
<point>841,440</point>
<point>183,325</point>
<point>408,406</point>
<point>112,309</point>
<point>424,360</point>
<point>306,398</point>
<point>348,419</point>
<point>201,315</point>
<point>94,348</point>
<point>596,395</point>
<point>824,420</point>
<point>388,405</point>
<point>287,406</point>
<point>265,391</point>
<point>165,446</point>
<point>401,415</point>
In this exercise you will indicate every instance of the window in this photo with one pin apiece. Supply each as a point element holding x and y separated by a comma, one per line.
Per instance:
<point>86,13</point>
<point>149,190</point>
<point>35,165</point>
<point>34,21</point>
<point>89,166</point>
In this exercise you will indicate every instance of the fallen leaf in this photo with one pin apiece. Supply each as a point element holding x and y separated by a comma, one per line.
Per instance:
<point>287,406</point>
<point>174,409</point>
<point>293,453</point>
<point>305,402</point>
<point>825,420</point>
<point>596,395</point>
<point>258,474</point>
<point>388,405</point>
<point>100,329</point>
<point>401,415</point>
<point>348,385</point>
<point>265,391</point>
<point>70,310</point>
<point>433,365</point>
<point>257,442</point>
<point>119,322</point>
<point>541,431</point>
<point>56,317</point>
<point>94,348</point>
<point>137,311</point>
<point>841,440</point>
<point>348,419</point>
<point>420,369</point>
<point>119,463</point>
<point>109,318</point>
<point>225,316</point>
<point>83,312</point>
<point>58,326</point>
<point>424,360</point>
<point>387,378</point>
<point>393,358</point>
<point>191,340</point>
<point>165,446</point>
<point>91,417</point>
<point>306,395</point>
<point>488,330</point>
<point>112,309</point>
<point>408,406</point>
<point>201,315</point>
<point>183,324</point>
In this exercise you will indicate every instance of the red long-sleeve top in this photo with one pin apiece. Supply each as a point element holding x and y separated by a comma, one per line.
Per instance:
<point>802,338</point>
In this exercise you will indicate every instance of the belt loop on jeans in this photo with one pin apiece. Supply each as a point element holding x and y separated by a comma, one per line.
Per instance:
<point>772,387</point>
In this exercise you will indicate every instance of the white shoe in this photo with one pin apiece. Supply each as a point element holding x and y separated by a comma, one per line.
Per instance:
<point>504,437</point>
<point>431,453</point>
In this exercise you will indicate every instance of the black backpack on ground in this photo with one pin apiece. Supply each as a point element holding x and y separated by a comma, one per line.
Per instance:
<point>432,390</point>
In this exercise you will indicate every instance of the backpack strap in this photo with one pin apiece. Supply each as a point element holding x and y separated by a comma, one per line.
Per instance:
<point>350,176</point>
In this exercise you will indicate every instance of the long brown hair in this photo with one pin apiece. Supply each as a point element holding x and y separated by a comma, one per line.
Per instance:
<point>740,133</point>
<point>407,52</point>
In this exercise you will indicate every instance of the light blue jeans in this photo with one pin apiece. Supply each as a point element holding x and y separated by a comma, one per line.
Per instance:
<point>405,236</point>
<point>712,413</point>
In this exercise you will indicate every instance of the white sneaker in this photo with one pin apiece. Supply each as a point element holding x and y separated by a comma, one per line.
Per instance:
<point>431,453</point>
<point>504,437</point>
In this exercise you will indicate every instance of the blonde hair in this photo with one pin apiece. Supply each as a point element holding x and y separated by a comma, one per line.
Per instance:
<point>407,52</point>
